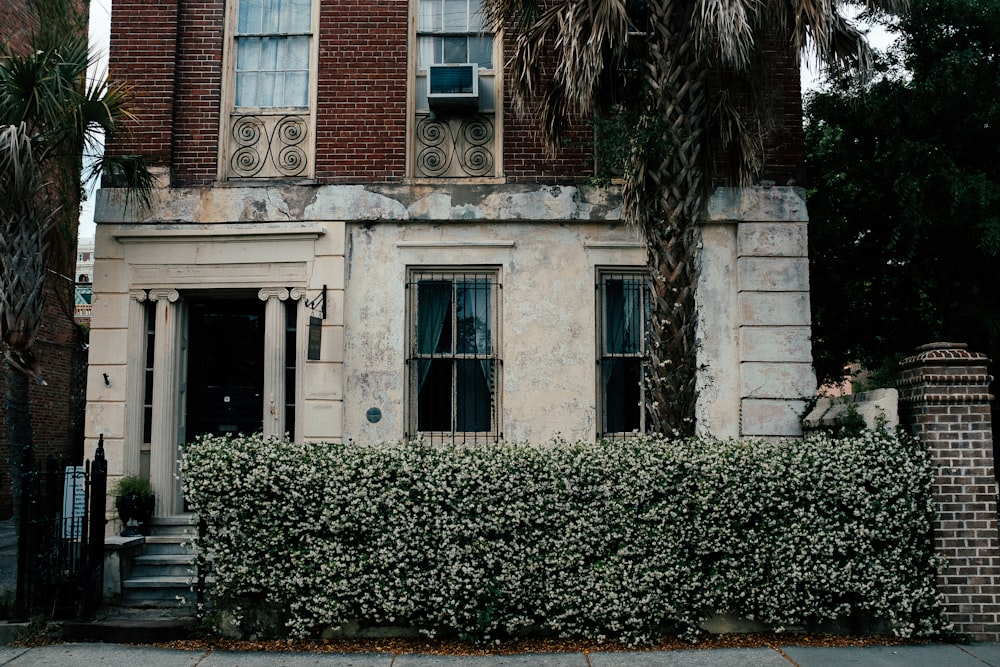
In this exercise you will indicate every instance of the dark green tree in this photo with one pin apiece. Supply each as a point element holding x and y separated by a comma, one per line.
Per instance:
<point>905,193</point>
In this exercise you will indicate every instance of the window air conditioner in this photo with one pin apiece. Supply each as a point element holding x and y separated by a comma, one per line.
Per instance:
<point>453,87</point>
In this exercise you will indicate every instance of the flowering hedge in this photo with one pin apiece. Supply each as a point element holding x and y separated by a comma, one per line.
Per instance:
<point>622,540</point>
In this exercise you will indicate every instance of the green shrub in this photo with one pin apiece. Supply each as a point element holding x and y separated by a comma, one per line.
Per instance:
<point>132,484</point>
<point>623,540</point>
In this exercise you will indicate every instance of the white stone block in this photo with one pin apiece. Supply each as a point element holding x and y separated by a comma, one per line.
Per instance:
<point>324,381</point>
<point>774,308</point>
<point>768,204</point>
<point>780,343</point>
<point>773,239</point>
<point>777,380</point>
<point>109,347</point>
<point>773,274</point>
<point>877,407</point>
<point>771,418</point>
<point>324,420</point>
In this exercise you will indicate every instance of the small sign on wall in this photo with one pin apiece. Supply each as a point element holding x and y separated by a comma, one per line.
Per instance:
<point>74,502</point>
<point>315,338</point>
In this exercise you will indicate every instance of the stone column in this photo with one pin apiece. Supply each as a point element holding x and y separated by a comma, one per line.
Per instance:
<point>166,375</point>
<point>945,402</point>
<point>301,342</point>
<point>135,382</point>
<point>274,360</point>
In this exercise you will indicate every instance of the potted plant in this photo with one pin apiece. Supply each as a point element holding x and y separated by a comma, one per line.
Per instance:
<point>134,501</point>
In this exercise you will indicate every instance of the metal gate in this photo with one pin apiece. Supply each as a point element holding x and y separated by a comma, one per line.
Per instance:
<point>60,549</point>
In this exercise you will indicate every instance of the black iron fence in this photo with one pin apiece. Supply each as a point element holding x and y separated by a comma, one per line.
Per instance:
<point>60,568</point>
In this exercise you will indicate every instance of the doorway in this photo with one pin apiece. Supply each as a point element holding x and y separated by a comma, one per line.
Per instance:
<point>225,369</point>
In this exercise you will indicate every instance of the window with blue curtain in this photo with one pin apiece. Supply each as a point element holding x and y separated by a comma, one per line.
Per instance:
<point>623,310</point>
<point>453,361</point>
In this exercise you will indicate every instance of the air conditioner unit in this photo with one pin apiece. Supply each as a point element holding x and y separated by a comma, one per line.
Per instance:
<point>453,87</point>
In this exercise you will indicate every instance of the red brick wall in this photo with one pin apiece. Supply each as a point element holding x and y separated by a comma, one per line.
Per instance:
<point>143,53</point>
<point>361,123</point>
<point>200,25</point>
<point>361,115</point>
<point>944,400</point>
<point>15,23</point>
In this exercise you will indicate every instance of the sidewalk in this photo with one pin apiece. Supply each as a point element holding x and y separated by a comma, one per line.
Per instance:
<point>117,655</point>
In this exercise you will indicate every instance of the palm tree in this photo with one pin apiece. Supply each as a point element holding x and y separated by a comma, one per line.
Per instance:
<point>51,117</point>
<point>689,72</point>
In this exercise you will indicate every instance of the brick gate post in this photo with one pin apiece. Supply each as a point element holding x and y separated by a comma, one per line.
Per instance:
<point>944,401</point>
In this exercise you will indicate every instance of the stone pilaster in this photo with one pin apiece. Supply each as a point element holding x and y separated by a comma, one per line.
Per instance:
<point>166,377</point>
<point>945,402</point>
<point>135,382</point>
<point>274,360</point>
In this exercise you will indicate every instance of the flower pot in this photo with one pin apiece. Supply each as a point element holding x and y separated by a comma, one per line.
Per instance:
<point>135,511</point>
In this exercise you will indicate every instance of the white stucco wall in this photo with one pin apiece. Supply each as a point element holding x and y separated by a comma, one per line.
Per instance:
<point>547,343</point>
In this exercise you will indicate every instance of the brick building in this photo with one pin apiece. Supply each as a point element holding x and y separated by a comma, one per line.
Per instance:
<point>355,237</point>
<point>57,408</point>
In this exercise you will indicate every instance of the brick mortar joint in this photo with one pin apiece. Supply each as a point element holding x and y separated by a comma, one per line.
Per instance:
<point>977,379</point>
<point>917,398</point>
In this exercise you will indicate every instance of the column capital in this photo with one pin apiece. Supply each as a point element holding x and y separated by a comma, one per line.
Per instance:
<point>166,293</point>
<point>138,294</point>
<point>296,293</point>
<point>273,293</point>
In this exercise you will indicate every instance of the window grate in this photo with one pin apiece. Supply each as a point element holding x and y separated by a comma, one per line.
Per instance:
<point>623,307</point>
<point>453,361</point>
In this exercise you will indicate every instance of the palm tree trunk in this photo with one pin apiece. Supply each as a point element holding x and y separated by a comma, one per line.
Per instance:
<point>17,420</point>
<point>666,199</point>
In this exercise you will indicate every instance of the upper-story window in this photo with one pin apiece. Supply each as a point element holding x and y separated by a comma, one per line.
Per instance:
<point>451,31</point>
<point>455,89</point>
<point>271,64</point>
<point>272,53</point>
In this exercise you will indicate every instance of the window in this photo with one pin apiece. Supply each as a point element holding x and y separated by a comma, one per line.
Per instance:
<point>623,309</point>
<point>272,53</point>
<point>451,32</point>
<point>271,59</point>
<point>453,364</point>
<point>458,138</point>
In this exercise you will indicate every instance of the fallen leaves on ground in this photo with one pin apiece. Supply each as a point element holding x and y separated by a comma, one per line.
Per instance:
<point>446,647</point>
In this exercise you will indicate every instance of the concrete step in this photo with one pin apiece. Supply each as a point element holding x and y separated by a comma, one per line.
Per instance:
<point>133,625</point>
<point>181,524</point>
<point>168,565</point>
<point>166,545</point>
<point>158,591</point>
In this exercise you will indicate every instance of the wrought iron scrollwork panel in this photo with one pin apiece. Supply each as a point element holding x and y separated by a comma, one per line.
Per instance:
<point>269,146</point>
<point>455,147</point>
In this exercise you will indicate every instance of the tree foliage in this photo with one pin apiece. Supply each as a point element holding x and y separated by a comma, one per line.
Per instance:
<point>52,116</point>
<point>695,74</point>
<point>905,199</point>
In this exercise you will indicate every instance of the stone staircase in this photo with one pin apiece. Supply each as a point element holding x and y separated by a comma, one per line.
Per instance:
<point>162,575</point>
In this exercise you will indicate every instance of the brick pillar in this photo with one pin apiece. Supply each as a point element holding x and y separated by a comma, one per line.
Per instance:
<point>944,401</point>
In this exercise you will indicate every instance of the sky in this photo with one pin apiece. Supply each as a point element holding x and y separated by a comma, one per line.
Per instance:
<point>100,30</point>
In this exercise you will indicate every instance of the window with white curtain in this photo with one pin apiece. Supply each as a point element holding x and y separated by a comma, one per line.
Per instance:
<point>267,129</point>
<point>273,48</point>
<point>452,31</point>
<point>453,363</point>
<point>623,310</point>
